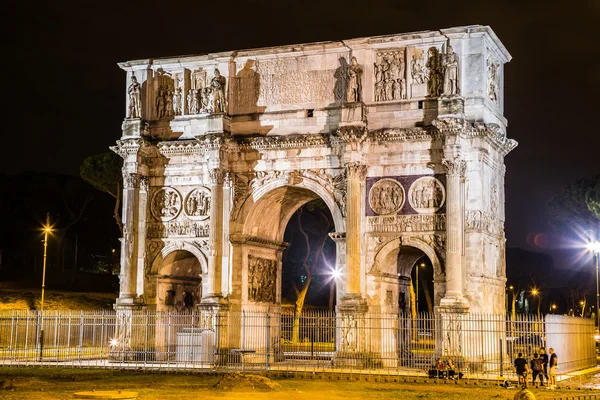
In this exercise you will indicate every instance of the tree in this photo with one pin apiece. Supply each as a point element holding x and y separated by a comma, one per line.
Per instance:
<point>103,171</point>
<point>313,222</point>
<point>577,205</point>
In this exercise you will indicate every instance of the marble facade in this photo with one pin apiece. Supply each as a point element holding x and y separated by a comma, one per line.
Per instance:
<point>403,137</point>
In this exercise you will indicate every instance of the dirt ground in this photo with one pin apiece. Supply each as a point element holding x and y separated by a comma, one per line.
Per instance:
<point>56,383</point>
<point>29,299</point>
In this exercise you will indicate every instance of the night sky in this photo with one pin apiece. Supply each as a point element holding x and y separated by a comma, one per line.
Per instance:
<point>67,93</point>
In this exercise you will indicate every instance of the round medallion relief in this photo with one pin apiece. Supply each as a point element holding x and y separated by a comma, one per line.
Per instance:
<point>386,196</point>
<point>166,204</point>
<point>197,204</point>
<point>426,195</point>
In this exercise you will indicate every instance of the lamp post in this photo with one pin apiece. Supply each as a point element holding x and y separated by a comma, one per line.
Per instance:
<point>422,264</point>
<point>47,230</point>
<point>594,247</point>
<point>536,293</point>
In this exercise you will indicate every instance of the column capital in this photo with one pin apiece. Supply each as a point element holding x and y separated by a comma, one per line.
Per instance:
<point>131,180</point>
<point>216,176</point>
<point>356,170</point>
<point>455,166</point>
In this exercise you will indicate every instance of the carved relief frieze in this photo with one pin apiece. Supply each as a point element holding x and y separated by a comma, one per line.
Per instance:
<point>390,73</point>
<point>386,196</point>
<point>407,223</point>
<point>197,204</point>
<point>285,142</point>
<point>402,135</point>
<point>144,184</point>
<point>183,228</point>
<point>163,102</point>
<point>153,247</point>
<point>418,72</point>
<point>262,279</point>
<point>241,191</point>
<point>349,329</point>
<point>198,96</point>
<point>494,199</point>
<point>477,220</point>
<point>166,204</point>
<point>426,195</point>
<point>493,79</point>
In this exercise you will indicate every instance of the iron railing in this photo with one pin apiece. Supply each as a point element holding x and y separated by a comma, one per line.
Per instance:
<point>480,345</point>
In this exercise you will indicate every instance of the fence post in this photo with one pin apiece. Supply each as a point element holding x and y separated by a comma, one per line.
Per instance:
<point>501,359</point>
<point>268,340</point>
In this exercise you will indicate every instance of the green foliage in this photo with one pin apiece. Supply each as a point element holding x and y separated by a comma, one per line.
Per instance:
<point>578,204</point>
<point>103,171</point>
<point>592,198</point>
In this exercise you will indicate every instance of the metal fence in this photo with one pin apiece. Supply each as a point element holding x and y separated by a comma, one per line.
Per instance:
<point>315,341</point>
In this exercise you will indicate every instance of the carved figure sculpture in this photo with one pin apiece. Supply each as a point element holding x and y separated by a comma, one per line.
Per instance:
<point>160,105</point>
<point>169,104</point>
<point>417,70</point>
<point>492,80</point>
<point>386,196</point>
<point>177,102</point>
<point>166,204</point>
<point>434,82</point>
<point>262,278</point>
<point>197,205</point>
<point>450,72</point>
<point>354,81</point>
<point>134,91</point>
<point>426,195</point>
<point>217,85</point>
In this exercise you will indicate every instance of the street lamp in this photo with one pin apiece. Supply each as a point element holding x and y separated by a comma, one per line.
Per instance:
<point>47,229</point>
<point>536,292</point>
<point>423,265</point>
<point>594,247</point>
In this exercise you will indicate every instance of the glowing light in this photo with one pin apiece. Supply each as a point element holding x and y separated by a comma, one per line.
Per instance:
<point>534,292</point>
<point>114,342</point>
<point>581,302</point>
<point>594,247</point>
<point>511,287</point>
<point>335,274</point>
<point>553,306</point>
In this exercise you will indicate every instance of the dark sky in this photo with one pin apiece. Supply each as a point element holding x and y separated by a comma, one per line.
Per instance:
<point>67,93</point>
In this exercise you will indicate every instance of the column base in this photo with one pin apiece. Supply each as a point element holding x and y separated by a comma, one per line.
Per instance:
<point>352,303</point>
<point>453,304</point>
<point>129,303</point>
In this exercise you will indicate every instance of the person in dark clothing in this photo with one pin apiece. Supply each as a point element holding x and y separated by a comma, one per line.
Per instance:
<point>521,367</point>
<point>536,370</point>
<point>553,363</point>
<point>544,358</point>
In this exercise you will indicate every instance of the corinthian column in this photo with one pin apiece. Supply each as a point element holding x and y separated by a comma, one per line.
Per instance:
<point>355,173</point>
<point>212,288</point>
<point>455,210</point>
<point>129,241</point>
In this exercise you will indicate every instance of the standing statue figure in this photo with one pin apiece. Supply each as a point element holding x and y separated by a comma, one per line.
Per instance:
<point>134,91</point>
<point>177,101</point>
<point>450,72</point>
<point>218,92</point>
<point>354,82</point>
<point>160,105</point>
<point>434,83</point>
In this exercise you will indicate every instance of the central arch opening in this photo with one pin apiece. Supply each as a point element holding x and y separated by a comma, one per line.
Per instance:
<point>298,220</point>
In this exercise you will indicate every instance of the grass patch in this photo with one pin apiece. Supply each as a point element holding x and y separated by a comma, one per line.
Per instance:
<point>60,383</point>
<point>29,299</point>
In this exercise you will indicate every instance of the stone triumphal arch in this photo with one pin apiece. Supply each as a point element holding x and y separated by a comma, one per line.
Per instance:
<point>402,136</point>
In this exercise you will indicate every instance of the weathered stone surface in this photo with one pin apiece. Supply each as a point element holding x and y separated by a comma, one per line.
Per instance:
<point>402,136</point>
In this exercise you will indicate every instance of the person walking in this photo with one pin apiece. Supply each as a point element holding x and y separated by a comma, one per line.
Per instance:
<point>521,367</point>
<point>536,370</point>
<point>553,368</point>
<point>544,358</point>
